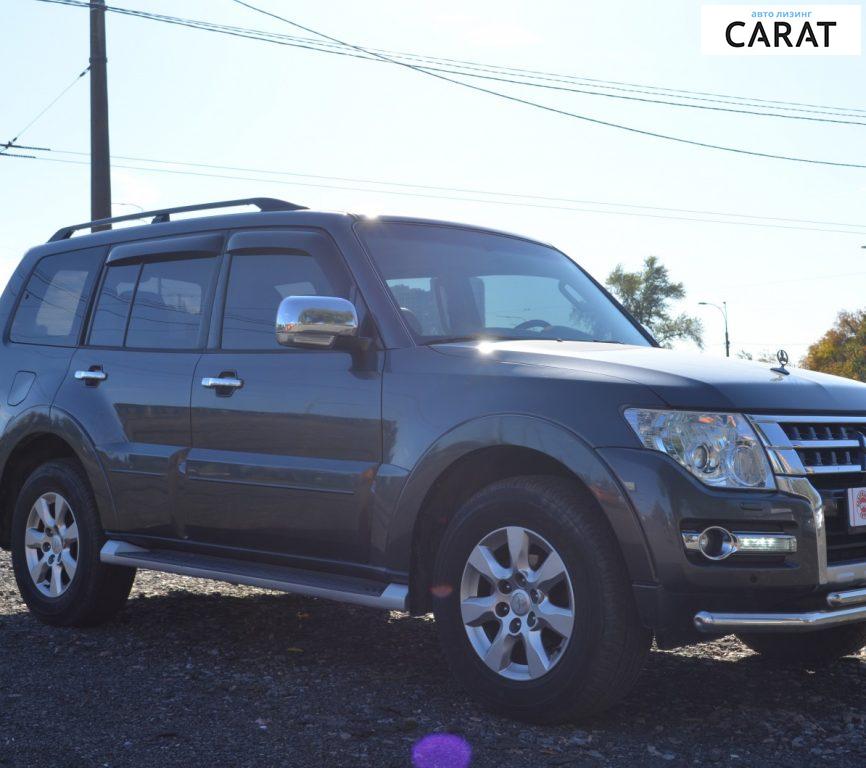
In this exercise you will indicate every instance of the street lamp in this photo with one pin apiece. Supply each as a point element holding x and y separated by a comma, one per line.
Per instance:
<point>724,310</point>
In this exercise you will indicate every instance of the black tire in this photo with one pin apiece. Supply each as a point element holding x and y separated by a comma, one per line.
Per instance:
<point>812,649</point>
<point>97,591</point>
<point>608,645</point>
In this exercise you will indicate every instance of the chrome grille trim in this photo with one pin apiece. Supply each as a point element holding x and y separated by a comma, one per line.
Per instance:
<point>818,444</point>
<point>810,455</point>
<point>798,419</point>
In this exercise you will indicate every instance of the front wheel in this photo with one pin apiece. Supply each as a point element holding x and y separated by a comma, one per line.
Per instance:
<point>533,602</point>
<point>56,540</point>
<point>810,649</point>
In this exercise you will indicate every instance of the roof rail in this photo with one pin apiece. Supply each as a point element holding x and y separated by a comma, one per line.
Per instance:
<point>163,215</point>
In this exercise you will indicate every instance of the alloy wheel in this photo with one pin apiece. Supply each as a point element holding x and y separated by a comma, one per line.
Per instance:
<point>517,603</point>
<point>51,544</point>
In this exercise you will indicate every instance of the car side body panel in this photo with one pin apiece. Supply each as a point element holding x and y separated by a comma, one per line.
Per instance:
<point>438,409</point>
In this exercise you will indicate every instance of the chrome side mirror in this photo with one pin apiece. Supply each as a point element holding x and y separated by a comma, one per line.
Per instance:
<point>314,321</point>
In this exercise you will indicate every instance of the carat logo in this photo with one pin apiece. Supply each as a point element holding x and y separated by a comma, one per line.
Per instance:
<point>780,30</point>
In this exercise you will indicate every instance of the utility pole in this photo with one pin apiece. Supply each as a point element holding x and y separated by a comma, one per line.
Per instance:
<point>724,310</point>
<point>100,159</point>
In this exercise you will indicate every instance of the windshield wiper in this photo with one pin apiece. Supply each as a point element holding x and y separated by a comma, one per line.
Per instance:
<point>494,337</point>
<point>472,337</point>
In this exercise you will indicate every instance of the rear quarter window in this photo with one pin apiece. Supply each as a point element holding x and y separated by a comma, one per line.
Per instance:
<point>54,301</point>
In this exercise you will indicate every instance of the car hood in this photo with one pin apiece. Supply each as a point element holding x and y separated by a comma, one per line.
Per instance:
<point>682,379</point>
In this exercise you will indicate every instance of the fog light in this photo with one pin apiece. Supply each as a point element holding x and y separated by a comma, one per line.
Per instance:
<point>762,542</point>
<point>717,543</point>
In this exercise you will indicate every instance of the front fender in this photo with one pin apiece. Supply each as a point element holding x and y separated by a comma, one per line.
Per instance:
<point>536,434</point>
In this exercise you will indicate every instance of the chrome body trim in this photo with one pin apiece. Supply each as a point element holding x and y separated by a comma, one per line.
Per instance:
<point>91,376</point>
<point>215,382</point>
<point>314,321</point>
<point>743,542</point>
<point>843,599</point>
<point>834,470</point>
<point>819,444</point>
<point>800,486</point>
<point>800,419</point>
<point>713,623</point>
<point>851,605</point>
<point>394,597</point>
<point>845,573</point>
<point>691,541</point>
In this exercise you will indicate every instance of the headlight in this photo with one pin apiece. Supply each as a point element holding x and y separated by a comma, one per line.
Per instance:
<point>720,449</point>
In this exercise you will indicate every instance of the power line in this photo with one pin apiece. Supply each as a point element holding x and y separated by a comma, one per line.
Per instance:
<point>12,143</point>
<point>470,190</point>
<point>476,71</point>
<point>567,89</point>
<point>555,110</point>
<point>436,64</point>
<point>403,193</point>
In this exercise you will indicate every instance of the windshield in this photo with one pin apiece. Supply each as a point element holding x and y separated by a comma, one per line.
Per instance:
<point>455,284</point>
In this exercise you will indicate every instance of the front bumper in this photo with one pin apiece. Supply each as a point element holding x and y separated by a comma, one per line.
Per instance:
<point>669,503</point>
<point>748,592</point>
<point>848,607</point>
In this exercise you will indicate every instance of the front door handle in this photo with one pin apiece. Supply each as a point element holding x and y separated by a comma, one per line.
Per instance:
<point>222,382</point>
<point>91,377</point>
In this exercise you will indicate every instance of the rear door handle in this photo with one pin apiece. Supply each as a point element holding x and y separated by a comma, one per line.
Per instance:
<point>218,382</point>
<point>91,377</point>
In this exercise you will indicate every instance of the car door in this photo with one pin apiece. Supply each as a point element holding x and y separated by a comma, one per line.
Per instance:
<point>283,457</point>
<point>129,385</point>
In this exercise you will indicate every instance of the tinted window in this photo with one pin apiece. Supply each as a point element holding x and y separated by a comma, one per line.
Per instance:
<point>55,299</point>
<point>258,282</point>
<point>418,304</point>
<point>112,308</point>
<point>455,283</point>
<point>168,304</point>
<point>508,300</point>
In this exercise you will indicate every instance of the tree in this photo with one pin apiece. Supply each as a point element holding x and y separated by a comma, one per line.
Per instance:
<point>763,357</point>
<point>646,295</point>
<point>842,350</point>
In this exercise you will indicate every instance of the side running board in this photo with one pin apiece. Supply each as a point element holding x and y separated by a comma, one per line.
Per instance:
<point>344,589</point>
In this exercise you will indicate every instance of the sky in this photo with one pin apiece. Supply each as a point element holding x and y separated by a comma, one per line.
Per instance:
<point>178,94</point>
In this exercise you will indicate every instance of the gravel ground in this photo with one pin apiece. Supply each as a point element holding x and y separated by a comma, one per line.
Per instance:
<point>196,673</point>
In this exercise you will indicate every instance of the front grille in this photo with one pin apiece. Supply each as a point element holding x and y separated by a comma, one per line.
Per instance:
<point>815,445</point>
<point>827,447</point>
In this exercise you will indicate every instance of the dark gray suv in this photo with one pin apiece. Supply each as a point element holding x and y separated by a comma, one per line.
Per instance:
<point>415,415</point>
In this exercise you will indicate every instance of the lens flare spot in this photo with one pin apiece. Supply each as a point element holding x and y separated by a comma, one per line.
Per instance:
<point>441,590</point>
<point>441,750</point>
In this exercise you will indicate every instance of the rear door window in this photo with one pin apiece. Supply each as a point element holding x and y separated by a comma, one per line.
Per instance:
<point>169,302</point>
<point>52,308</point>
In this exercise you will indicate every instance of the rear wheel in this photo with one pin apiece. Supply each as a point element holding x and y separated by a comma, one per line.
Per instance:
<point>533,602</point>
<point>56,540</point>
<point>810,649</point>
